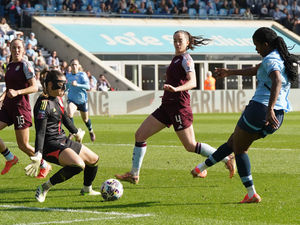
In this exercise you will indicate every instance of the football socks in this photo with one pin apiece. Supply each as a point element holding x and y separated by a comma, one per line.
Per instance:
<point>89,175</point>
<point>89,125</point>
<point>64,174</point>
<point>7,154</point>
<point>137,157</point>
<point>223,151</point>
<point>244,170</point>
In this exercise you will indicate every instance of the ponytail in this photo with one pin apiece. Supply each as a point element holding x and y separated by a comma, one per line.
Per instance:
<point>194,41</point>
<point>265,34</point>
<point>290,60</point>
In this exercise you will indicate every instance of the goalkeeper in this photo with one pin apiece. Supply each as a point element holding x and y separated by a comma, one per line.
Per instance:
<point>52,144</point>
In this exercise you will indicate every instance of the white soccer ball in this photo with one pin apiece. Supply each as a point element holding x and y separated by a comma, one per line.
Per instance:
<point>111,190</point>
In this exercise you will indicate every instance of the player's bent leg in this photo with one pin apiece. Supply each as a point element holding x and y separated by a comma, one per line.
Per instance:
<point>22,137</point>
<point>90,171</point>
<point>149,127</point>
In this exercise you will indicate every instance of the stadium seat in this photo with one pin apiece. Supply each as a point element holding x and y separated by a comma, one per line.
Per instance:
<point>39,7</point>
<point>242,11</point>
<point>202,4</point>
<point>212,12</point>
<point>202,14</point>
<point>223,12</point>
<point>192,13</point>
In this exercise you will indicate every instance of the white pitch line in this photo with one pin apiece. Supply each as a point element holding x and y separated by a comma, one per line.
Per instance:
<point>178,146</point>
<point>113,215</point>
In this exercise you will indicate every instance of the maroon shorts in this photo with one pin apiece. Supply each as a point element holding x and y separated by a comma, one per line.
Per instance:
<point>17,114</point>
<point>174,114</point>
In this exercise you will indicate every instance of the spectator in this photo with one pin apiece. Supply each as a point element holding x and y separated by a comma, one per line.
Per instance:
<point>271,9</point>
<point>110,3</point>
<point>175,11</point>
<point>32,40</point>
<point>31,54</point>
<point>296,26</point>
<point>247,14</point>
<point>171,4</point>
<point>288,22</point>
<point>195,5</point>
<point>73,8</point>
<point>133,8</point>
<point>28,12</point>
<point>236,12</point>
<point>53,60</point>
<point>67,4</point>
<point>38,80</point>
<point>40,65</point>
<point>295,8</point>
<point>183,7</point>
<point>226,5</point>
<point>279,5</point>
<point>122,6</point>
<point>102,83</point>
<point>165,10</point>
<point>3,55</point>
<point>278,15</point>
<point>149,10</point>
<point>210,82</point>
<point>18,13</point>
<point>2,41</point>
<point>93,81</point>
<point>264,12</point>
<point>142,8</point>
<point>7,31</point>
<point>40,56</point>
<point>64,67</point>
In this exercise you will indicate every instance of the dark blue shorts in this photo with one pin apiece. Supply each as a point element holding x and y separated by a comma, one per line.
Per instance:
<point>84,107</point>
<point>174,114</point>
<point>253,119</point>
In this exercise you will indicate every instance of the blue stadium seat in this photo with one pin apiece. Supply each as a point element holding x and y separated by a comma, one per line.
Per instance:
<point>242,11</point>
<point>223,12</point>
<point>212,12</point>
<point>83,8</point>
<point>202,4</point>
<point>192,13</point>
<point>85,2</point>
<point>39,7</point>
<point>202,13</point>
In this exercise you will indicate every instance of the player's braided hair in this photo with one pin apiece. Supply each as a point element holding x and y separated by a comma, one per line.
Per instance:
<point>265,34</point>
<point>194,40</point>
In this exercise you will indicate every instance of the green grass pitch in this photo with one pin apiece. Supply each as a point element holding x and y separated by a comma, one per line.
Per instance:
<point>166,194</point>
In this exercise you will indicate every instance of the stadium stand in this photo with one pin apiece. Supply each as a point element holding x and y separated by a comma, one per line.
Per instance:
<point>286,12</point>
<point>19,13</point>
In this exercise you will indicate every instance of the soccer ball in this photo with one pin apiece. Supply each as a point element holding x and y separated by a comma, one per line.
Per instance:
<point>111,190</point>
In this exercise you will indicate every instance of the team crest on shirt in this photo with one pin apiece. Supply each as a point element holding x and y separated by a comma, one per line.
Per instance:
<point>17,68</point>
<point>54,110</point>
